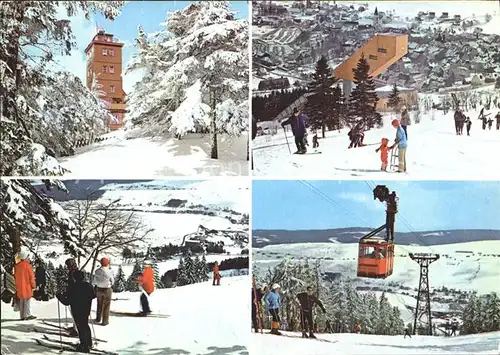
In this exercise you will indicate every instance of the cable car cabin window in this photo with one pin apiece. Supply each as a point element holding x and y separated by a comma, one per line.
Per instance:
<point>367,252</point>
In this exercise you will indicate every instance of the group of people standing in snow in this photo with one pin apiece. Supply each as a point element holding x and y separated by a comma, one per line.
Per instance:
<point>24,284</point>
<point>461,119</point>
<point>272,301</point>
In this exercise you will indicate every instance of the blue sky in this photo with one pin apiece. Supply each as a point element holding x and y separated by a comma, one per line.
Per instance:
<point>149,14</point>
<point>423,205</point>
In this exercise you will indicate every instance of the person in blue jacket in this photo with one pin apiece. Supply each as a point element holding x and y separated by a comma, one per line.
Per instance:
<point>402,144</point>
<point>273,305</point>
<point>298,123</point>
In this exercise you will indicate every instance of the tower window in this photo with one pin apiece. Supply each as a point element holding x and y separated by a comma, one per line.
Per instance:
<point>112,69</point>
<point>112,89</point>
<point>111,52</point>
<point>373,57</point>
<point>105,69</point>
<point>382,50</point>
<point>104,51</point>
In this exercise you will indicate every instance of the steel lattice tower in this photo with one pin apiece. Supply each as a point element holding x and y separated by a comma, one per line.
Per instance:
<point>423,308</point>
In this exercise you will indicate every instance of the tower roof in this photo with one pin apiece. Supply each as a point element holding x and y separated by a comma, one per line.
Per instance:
<point>109,40</point>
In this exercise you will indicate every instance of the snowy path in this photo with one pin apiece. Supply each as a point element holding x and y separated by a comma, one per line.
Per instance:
<point>118,157</point>
<point>263,344</point>
<point>203,320</point>
<point>434,152</point>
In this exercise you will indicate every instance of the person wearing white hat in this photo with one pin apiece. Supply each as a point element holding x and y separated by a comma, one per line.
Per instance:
<point>24,278</point>
<point>273,305</point>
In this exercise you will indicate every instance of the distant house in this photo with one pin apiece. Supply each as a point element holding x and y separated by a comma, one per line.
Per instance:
<point>409,97</point>
<point>274,84</point>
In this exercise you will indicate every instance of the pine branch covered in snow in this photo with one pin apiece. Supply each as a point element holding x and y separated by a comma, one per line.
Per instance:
<point>195,73</point>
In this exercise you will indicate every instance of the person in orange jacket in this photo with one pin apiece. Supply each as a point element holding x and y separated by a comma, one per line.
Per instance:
<point>24,279</point>
<point>147,285</point>
<point>384,153</point>
<point>216,274</point>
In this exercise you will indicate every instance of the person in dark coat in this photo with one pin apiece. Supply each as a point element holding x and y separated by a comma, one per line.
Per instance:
<point>72,268</point>
<point>407,332</point>
<point>498,120</point>
<point>256,302</point>
<point>356,136</point>
<point>307,302</point>
<point>41,281</point>
<point>315,141</point>
<point>79,296</point>
<point>453,329</point>
<point>298,123</point>
<point>468,123</point>
<point>254,128</point>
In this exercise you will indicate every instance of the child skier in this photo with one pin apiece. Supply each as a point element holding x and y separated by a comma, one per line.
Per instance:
<point>315,141</point>
<point>384,153</point>
<point>468,123</point>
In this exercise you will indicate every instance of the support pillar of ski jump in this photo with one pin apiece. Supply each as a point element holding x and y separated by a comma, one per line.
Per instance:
<point>423,314</point>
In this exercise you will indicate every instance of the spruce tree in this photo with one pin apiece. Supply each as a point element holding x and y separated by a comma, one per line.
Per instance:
<point>203,269</point>
<point>120,281</point>
<point>322,101</point>
<point>131,284</point>
<point>492,310</point>
<point>384,312</point>
<point>338,108</point>
<point>394,99</point>
<point>156,273</point>
<point>469,316</point>
<point>352,305</point>
<point>51,286</point>
<point>181,273</point>
<point>363,101</point>
<point>61,279</point>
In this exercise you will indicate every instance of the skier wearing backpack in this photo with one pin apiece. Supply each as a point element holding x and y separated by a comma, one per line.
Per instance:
<point>273,305</point>
<point>307,301</point>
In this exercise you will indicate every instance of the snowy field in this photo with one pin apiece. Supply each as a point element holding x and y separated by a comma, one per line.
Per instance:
<point>119,157</point>
<point>202,320</point>
<point>486,343</point>
<point>434,151</point>
<point>476,272</point>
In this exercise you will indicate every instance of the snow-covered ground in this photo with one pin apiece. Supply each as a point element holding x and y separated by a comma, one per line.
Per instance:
<point>434,150</point>
<point>486,343</point>
<point>203,319</point>
<point>119,157</point>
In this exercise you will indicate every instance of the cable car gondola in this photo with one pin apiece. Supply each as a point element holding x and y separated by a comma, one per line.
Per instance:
<point>376,254</point>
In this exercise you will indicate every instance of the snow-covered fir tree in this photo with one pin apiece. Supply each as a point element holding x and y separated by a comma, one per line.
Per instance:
<point>202,269</point>
<point>394,99</point>
<point>51,286</point>
<point>61,279</point>
<point>25,208</point>
<point>120,281</point>
<point>131,284</point>
<point>32,34</point>
<point>492,313</point>
<point>470,316</point>
<point>156,274</point>
<point>195,74</point>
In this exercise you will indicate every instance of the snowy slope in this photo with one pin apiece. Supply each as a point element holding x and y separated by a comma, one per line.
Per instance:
<point>457,270</point>
<point>139,157</point>
<point>434,150</point>
<point>203,320</point>
<point>486,343</point>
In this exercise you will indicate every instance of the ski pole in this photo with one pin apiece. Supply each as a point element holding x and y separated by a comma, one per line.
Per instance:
<point>60,327</point>
<point>288,144</point>
<point>93,330</point>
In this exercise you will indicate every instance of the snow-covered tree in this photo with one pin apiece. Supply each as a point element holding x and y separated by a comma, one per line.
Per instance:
<point>156,274</point>
<point>202,269</point>
<point>61,279</point>
<point>470,316</point>
<point>51,286</point>
<point>32,34</point>
<point>384,312</point>
<point>195,74</point>
<point>25,208</point>
<point>394,99</point>
<point>131,284</point>
<point>120,281</point>
<point>492,313</point>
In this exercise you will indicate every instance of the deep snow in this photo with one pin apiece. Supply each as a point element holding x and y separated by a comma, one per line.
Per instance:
<point>434,150</point>
<point>203,319</point>
<point>486,343</point>
<point>119,157</point>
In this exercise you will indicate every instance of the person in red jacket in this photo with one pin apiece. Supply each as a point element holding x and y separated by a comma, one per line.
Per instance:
<point>384,153</point>
<point>24,278</point>
<point>147,285</point>
<point>216,274</point>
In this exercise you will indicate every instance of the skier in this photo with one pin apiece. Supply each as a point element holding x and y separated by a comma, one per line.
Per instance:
<point>384,153</point>
<point>147,285</point>
<point>357,328</point>
<point>402,145</point>
<point>41,281</point>
<point>407,332</point>
<point>298,123</point>
<point>24,279</point>
<point>405,120</point>
<point>79,296</point>
<point>328,327</point>
<point>72,268</point>
<point>468,123</point>
<point>273,305</point>
<point>453,329</point>
<point>315,141</point>
<point>256,303</point>
<point>483,118</point>
<point>307,302</point>
<point>498,120</point>
<point>490,123</point>
<point>103,282</point>
<point>459,121</point>
<point>216,274</point>
<point>356,135</point>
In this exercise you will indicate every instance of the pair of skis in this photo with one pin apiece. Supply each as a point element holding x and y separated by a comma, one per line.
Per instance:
<point>257,305</point>
<point>302,337</point>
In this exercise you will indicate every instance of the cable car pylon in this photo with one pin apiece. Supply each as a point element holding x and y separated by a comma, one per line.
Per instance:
<point>376,255</point>
<point>423,314</point>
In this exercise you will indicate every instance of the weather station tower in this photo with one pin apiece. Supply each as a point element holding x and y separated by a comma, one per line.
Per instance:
<point>104,65</point>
